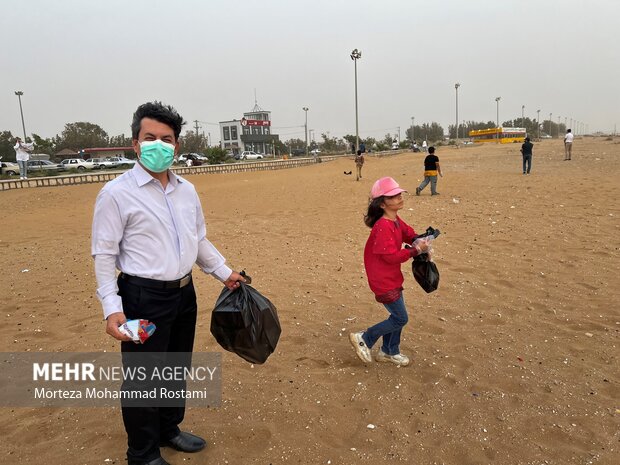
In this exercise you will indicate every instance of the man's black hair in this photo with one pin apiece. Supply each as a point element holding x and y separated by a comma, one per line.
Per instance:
<point>159,112</point>
<point>431,150</point>
<point>527,139</point>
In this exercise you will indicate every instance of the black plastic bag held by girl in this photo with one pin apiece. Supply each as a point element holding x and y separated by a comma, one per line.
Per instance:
<point>425,272</point>
<point>246,322</point>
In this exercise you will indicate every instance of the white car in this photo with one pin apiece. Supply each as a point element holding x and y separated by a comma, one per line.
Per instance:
<point>10,168</point>
<point>315,152</point>
<point>78,163</point>
<point>249,155</point>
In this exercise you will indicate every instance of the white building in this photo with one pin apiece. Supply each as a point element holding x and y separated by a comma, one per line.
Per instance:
<point>252,132</point>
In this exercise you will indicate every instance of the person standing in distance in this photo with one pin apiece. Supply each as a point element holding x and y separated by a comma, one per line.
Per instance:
<point>526,151</point>
<point>431,169</point>
<point>359,162</point>
<point>22,155</point>
<point>568,144</point>
<point>149,224</point>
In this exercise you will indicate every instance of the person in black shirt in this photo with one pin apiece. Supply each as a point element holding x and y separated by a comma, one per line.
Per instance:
<point>526,151</point>
<point>431,169</point>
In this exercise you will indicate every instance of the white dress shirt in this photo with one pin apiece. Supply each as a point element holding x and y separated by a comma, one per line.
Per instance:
<point>568,137</point>
<point>145,231</point>
<point>21,154</point>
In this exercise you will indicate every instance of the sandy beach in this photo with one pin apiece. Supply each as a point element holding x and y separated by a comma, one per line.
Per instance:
<point>515,358</point>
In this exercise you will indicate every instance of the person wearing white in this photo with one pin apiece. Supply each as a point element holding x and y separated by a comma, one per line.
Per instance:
<point>424,146</point>
<point>568,144</point>
<point>22,155</point>
<point>148,223</point>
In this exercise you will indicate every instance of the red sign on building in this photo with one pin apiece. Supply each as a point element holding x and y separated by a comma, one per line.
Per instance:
<point>254,122</point>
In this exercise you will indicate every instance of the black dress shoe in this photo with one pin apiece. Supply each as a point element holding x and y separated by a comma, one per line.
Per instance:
<point>185,442</point>
<point>157,461</point>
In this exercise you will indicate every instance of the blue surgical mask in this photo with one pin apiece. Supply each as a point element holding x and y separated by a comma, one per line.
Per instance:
<point>156,156</point>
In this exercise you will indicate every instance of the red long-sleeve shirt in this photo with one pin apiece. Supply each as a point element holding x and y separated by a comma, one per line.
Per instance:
<point>384,254</point>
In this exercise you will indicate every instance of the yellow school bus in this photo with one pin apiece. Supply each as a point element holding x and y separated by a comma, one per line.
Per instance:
<point>504,135</point>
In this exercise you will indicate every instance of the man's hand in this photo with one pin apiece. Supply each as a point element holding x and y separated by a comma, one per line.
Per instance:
<point>112,324</point>
<point>233,280</point>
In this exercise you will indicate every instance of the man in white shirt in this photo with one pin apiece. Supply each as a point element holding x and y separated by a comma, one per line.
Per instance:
<point>568,144</point>
<point>148,223</point>
<point>22,155</point>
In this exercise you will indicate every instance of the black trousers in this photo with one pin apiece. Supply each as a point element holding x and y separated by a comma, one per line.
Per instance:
<point>174,313</point>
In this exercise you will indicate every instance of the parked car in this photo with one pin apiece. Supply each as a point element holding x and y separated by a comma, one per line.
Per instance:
<point>250,155</point>
<point>192,159</point>
<point>315,152</point>
<point>111,162</point>
<point>120,161</point>
<point>298,152</point>
<point>10,168</point>
<point>103,163</point>
<point>78,163</point>
<point>44,165</point>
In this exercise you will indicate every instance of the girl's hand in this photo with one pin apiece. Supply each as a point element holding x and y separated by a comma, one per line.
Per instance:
<point>421,244</point>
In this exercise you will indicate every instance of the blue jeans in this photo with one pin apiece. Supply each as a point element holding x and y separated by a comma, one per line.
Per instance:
<point>390,329</point>
<point>23,168</point>
<point>432,180</point>
<point>527,160</point>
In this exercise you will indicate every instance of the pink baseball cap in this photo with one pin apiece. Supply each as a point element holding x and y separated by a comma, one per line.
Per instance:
<point>385,186</point>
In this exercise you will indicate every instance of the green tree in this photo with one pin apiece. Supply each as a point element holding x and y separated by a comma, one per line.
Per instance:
<point>82,135</point>
<point>216,155</point>
<point>7,142</point>
<point>44,145</point>
<point>192,142</point>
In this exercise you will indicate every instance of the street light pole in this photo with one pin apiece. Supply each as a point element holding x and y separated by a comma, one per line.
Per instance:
<point>538,122</point>
<point>456,128</point>
<point>19,94</point>
<point>523,116</point>
<point>558,132</point>
<point>497,99</point>
<point>305,109</point>
<point>550,115</point>
<point>356,55</point>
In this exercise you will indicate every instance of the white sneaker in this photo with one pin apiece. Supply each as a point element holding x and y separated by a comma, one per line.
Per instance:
<point>361,349</point>
<point>398,359</point>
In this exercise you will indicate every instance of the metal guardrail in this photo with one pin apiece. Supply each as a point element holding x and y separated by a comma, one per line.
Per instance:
<point>104,176</point>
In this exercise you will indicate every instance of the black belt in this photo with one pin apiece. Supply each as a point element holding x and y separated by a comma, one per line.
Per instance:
<point>156,284</point>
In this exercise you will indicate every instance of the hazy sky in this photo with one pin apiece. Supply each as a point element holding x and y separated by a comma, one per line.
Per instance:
<point>96,61</point>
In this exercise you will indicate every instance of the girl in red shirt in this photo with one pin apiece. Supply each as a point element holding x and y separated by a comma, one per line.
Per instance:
<point>383,256</point>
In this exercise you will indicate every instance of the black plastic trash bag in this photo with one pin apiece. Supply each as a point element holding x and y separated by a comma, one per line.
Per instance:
<point>246,322</point>
<point>425,272</point>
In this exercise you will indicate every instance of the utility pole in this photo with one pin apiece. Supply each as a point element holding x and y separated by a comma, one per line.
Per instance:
<point>305,109</point>
<point>456,88</point>
<point>550,115</point>
<point>19,94</point>
<point>497,99</point>
<point>538,122</point>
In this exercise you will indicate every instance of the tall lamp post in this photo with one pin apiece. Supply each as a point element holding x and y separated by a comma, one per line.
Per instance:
<point>305,109</point>
<point>19,94</point>
<point>412,130</point>
<point>456,88</point>
<point>497,99</point>
<point>523,116</point>
<point>538,122</point>
<point>550,115</point>
<point>356,55</point>
<point>558,134</point>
